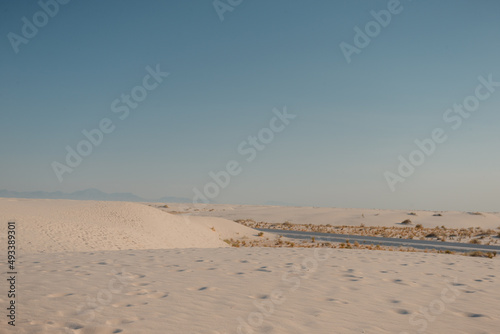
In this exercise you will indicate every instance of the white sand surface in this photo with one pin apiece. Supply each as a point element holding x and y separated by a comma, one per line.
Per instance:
<point>341,216</point>
<point>112,267</point>
<point>263,290</point>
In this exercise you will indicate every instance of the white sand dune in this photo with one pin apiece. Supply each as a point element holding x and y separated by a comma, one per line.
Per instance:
<point>341,216</point>
<point>89,267</point>
<point>77,226</point>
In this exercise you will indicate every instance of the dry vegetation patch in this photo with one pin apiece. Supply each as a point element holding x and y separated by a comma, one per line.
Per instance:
<point>405,230</point>
<point>482,254</point>
<point>280,242</point>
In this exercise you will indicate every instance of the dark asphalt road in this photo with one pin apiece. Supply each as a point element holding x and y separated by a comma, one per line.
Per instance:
<point>394,242</point>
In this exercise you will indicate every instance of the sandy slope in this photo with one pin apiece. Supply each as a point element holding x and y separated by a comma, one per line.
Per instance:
<point>67,225</point>
<point>340,216</point>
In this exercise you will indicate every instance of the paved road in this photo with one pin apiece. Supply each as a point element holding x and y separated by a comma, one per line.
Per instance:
<point>394,242</point>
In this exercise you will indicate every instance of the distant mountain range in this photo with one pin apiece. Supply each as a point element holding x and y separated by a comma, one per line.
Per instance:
<point>277,203</point>
<point>90,194</point>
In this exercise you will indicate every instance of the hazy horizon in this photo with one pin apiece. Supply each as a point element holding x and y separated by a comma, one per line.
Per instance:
<point>294,102</point>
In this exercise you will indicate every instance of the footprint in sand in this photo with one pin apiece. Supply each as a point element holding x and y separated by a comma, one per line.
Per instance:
<point>474,315</point>
<point>140,284</point>
<point>158,295</point>
<point>141,292</point>
<point>118,321</point>
<point>137,276</point>
<point>60,294</point>
<point>122,305</point>
<point>264,269</point>
<point>74,326</point>
<point>203,288</point>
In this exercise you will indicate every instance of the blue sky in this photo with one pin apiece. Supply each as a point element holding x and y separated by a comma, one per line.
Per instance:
<point>225,77</point>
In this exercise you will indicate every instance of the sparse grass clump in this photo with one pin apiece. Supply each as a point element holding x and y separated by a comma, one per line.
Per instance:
<point>474,241</point>
<point>233,243</point>
<point>482,254</point>
<point>419,226</point>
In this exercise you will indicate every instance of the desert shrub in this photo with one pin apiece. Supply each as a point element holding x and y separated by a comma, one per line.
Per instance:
<point>482,254</point>
<point>474,241</point>
<point>437,215</point>
<point>419,226</point>
<point>406,222</point>
<point>412,214</point>
<point>232,242</point>
<point>260,234</point>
